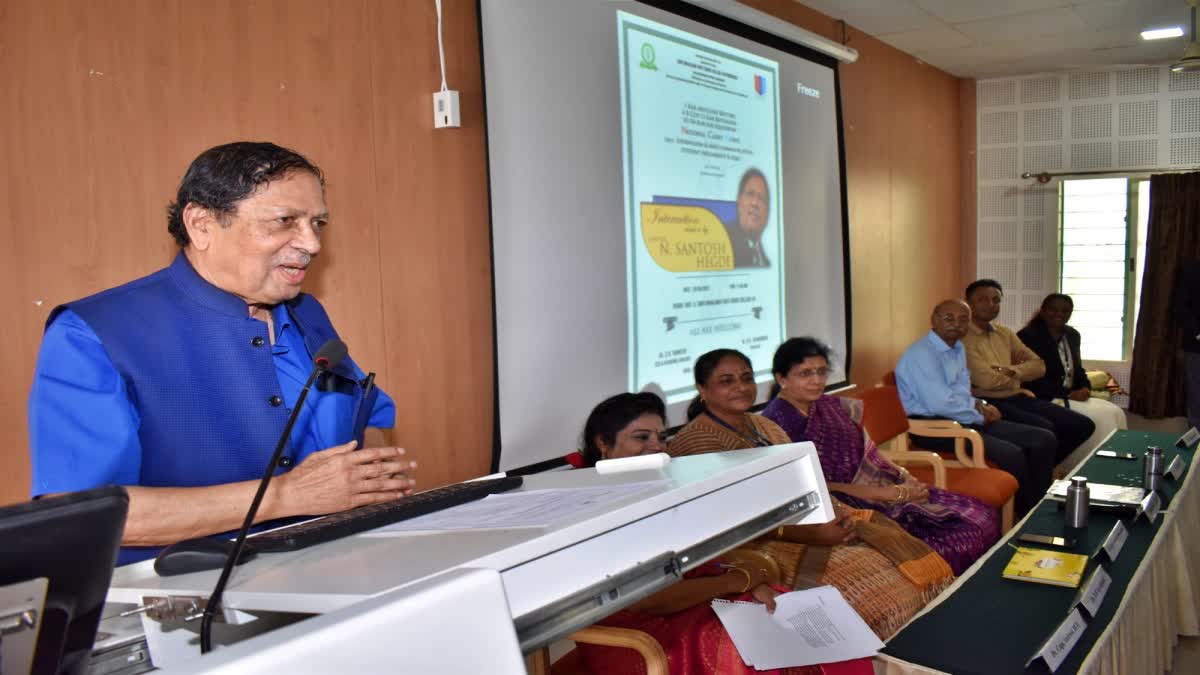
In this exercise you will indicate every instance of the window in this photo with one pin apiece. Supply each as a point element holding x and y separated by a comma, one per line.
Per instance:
<point>1102,247</point>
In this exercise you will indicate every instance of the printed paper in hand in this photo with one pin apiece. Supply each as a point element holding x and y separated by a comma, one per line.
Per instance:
<point>808,627</point>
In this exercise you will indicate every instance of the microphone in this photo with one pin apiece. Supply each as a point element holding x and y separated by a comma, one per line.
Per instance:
<point>328,356</point>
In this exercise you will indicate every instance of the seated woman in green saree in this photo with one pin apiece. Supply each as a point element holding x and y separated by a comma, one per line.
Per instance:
<point>886,574</point>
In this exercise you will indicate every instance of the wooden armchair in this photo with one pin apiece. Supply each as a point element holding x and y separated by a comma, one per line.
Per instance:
<point>571,663</point>
<point>964,472</point>
<point>885,423</point>
<point>538,663</point>
<point>643,643</point>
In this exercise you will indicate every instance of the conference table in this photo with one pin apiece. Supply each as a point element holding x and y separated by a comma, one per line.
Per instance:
<point>985,624</point>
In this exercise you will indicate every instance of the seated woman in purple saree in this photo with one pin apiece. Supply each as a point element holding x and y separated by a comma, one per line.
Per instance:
<point>958,527</point>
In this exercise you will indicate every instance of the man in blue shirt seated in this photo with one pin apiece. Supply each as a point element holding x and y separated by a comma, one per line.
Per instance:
<point>933,380</point>
<point>179,384</point>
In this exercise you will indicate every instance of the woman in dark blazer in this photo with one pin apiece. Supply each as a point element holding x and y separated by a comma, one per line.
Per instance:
<point>1049,336</point>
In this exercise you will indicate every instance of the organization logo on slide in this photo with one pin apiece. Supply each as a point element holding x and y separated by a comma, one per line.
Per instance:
<point>647,57</point>
<point>760,85</point>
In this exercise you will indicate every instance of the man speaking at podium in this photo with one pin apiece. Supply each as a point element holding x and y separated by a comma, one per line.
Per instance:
<point>179,384</point>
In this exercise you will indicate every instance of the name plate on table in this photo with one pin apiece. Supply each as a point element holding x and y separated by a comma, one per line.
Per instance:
<point>1176,468</point>
<point>1149,507</point>
<point>1115,540</point>
<point>1054,651</point>
<point>1189,439</point>
<point>1092,595</point>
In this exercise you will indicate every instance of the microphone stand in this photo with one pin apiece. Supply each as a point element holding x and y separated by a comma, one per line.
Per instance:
<point>214,600</point>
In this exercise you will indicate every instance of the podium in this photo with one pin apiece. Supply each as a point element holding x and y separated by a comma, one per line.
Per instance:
<point>556,579</point>
<point>454,622</point>
<point>21,610</point>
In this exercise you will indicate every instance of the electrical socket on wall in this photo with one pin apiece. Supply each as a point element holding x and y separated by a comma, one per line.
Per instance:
<point>445,109</point>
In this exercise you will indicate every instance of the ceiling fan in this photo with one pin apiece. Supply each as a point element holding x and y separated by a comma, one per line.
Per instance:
<point>1190,61</point>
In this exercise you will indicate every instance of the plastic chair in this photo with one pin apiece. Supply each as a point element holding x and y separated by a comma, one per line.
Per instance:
<point>888,425</point>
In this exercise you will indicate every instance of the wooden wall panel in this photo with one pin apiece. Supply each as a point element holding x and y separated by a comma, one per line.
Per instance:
<point>905,186</point>
<point>869,180</point>
<point>113,99</point>
<point>431,204</point>
<point>926,237</point>
<point>968,213</point>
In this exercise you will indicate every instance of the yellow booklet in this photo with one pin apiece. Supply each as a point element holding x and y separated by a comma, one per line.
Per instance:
<point>1046,567</point>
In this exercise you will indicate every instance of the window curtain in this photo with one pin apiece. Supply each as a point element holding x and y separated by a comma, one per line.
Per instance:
<point>1157,378</point>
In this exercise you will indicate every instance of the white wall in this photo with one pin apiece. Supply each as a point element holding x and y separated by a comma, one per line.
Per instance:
<point>1137,119</point>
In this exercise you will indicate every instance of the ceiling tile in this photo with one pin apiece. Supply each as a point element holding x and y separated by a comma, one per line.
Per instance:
<point>1134,15</point>
<point>1043,23</point>
<point>967,61</point>
<point>876,17</point>
<point>1103,39</point>
<point>1004,60</point>
<point>985,38</point>
<point>920,41</point>
<point>960,11</point>
<point>1141,54</point>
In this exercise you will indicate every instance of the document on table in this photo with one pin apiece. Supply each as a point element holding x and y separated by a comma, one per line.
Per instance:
<point>528,509</point>
<point>808,627</point>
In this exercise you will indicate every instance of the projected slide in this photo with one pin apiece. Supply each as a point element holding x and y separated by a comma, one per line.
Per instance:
<point>669,182</point>
<point>704,240</point>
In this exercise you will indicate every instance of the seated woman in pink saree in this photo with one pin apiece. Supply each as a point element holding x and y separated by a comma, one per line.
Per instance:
<point>958,527</point>
<point>885,574</point>
<point>681,618</point>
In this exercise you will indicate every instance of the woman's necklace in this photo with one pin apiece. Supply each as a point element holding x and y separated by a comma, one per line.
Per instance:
<point>754,438</point>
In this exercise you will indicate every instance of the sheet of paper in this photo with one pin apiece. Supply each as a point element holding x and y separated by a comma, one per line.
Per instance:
<point>808,627</point>
<point>524,509</point>
<point>1100,493</point>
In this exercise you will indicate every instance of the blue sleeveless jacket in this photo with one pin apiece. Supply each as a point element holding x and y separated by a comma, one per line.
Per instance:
<point>200,373</point>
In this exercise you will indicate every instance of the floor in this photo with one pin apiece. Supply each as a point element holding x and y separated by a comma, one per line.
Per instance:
<point>1187,656</point>
<point>1174,425</point>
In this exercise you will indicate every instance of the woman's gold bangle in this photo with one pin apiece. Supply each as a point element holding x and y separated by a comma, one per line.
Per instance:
<point>749,579</point>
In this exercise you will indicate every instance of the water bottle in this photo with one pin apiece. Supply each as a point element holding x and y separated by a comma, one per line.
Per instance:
<point>1078,501</point>
<point>1153,465</point>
